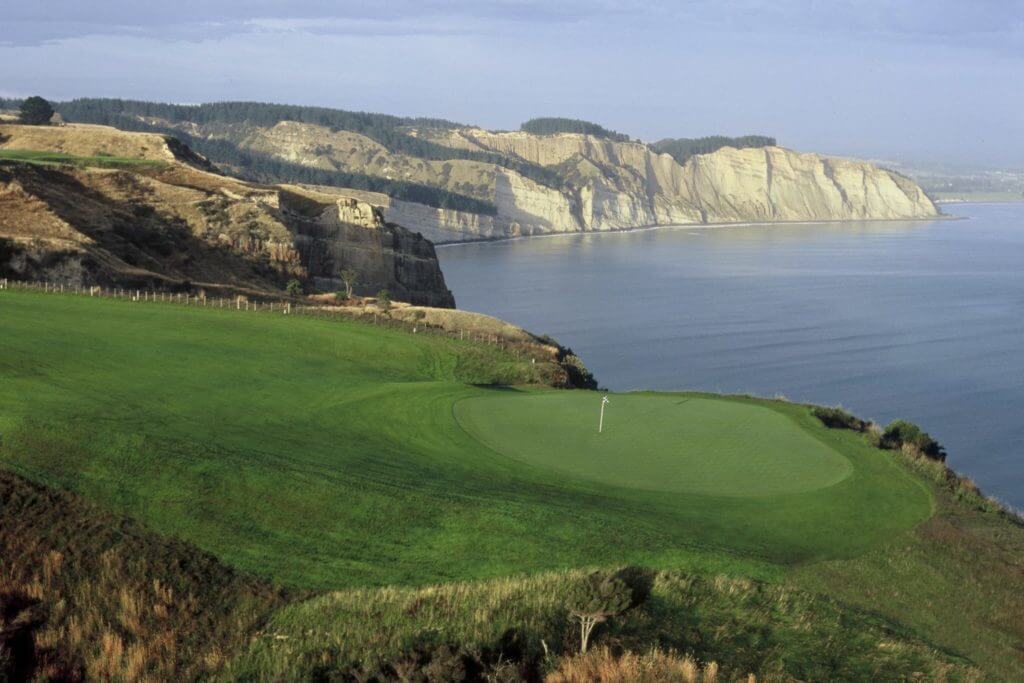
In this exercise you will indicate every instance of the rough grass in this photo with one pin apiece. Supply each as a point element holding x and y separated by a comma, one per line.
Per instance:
<point>774,632</point>
<point>957,579</point>
<point>102,598</point>
<point>655,666</point>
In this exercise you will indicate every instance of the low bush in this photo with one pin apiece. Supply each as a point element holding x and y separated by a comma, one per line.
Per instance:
<point>907,436</point>
<point>837,418</point>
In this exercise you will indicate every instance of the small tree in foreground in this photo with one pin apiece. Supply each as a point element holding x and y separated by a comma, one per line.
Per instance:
<point>599,597</point>
<point>384,300</point>
<point>35,111</point>
<point>349,278</point>
<point>293,288</point>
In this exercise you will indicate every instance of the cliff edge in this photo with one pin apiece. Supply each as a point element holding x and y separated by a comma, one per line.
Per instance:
<point>138,209</point>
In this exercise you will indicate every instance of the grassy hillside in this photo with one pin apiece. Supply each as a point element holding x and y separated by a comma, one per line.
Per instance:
<point>326,454</point>
<point>85,594</point>
<point>414,492</point>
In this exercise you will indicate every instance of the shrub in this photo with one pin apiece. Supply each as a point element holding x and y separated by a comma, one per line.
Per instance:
<point>908,437</point>
<point>596,599</point>
<point>837,418</point>
<point>293,288</point>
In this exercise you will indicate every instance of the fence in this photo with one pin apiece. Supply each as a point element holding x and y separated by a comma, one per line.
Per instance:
<point>521,350</point>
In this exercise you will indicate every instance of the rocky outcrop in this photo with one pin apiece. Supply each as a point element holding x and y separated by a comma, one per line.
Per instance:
<point>349,233</point>
<point>172,224</point>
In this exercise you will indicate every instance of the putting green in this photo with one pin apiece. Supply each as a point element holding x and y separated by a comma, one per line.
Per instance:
<point>657,442</point>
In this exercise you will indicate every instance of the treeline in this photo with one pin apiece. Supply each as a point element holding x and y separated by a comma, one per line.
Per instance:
<point>550,125</point>
<point>389,131</point>
<point>255,166</point>
<point>264,168</point>
<point>682,149</point>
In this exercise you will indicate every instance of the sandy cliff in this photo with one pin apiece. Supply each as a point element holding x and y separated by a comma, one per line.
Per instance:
<point>601,184</point>
<point>615,185</point>
<point>173,224</point>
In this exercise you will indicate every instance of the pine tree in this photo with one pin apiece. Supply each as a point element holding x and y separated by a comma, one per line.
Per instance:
<point>35,111</point>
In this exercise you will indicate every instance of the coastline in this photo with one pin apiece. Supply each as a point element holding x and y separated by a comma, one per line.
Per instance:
<point>702,226</point>
<point>979,201</point>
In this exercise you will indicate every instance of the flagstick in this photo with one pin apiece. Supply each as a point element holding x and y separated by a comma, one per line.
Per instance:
<point>600,422</point>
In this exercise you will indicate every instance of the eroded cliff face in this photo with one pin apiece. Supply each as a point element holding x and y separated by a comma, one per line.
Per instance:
<point>601,184</point>
<point>172,224</point>
<point>620,185</point>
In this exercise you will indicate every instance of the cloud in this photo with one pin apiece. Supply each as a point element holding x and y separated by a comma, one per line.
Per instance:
<point>193,20</point>
<point>874,77</point>
<point>984,23</point>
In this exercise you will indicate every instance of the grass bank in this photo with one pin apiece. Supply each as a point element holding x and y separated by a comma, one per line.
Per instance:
<point>412,492</point>
<point>325,454</point>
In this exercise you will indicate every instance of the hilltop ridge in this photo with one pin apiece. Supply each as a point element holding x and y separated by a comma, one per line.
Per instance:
<point>456,182</point>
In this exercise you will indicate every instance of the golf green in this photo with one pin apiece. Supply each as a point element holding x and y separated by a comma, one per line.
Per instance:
<point>656,442</point>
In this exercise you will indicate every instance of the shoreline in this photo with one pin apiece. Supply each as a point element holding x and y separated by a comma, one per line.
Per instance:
<point>701,226</point>
<point>979,201</point>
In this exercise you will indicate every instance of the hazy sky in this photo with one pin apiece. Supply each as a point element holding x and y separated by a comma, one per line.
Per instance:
<point>929,80</point>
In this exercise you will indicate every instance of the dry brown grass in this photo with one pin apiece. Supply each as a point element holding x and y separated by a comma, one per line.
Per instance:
<point>103,599</point>
<point>655,666</point>
<point>86,140</point>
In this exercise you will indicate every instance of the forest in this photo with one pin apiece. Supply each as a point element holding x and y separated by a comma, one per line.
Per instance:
<point>552,124</point>
<point>682,149</point>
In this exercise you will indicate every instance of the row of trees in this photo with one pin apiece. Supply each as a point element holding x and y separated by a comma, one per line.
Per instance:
<point>550,125</point>
<point>682,149</point>
<point>263,168</point>
<point>246,164</point>
<point>390,131</point>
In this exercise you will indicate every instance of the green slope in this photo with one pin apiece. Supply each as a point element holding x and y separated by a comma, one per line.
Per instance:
<point>327,454</point>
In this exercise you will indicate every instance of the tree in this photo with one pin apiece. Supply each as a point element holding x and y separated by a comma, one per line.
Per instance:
<point>35,111</point>
<point>349,277</point>
<point>293,288</point>
<point>384,300</point>
<point>598,598</point>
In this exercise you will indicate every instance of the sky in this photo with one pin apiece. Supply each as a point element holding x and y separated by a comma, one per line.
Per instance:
<point>936,81</point>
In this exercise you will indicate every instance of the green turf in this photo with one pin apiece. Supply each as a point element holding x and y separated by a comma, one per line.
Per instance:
<point>659,442</point>
<point>51,158</point>
<point>327,454</point>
